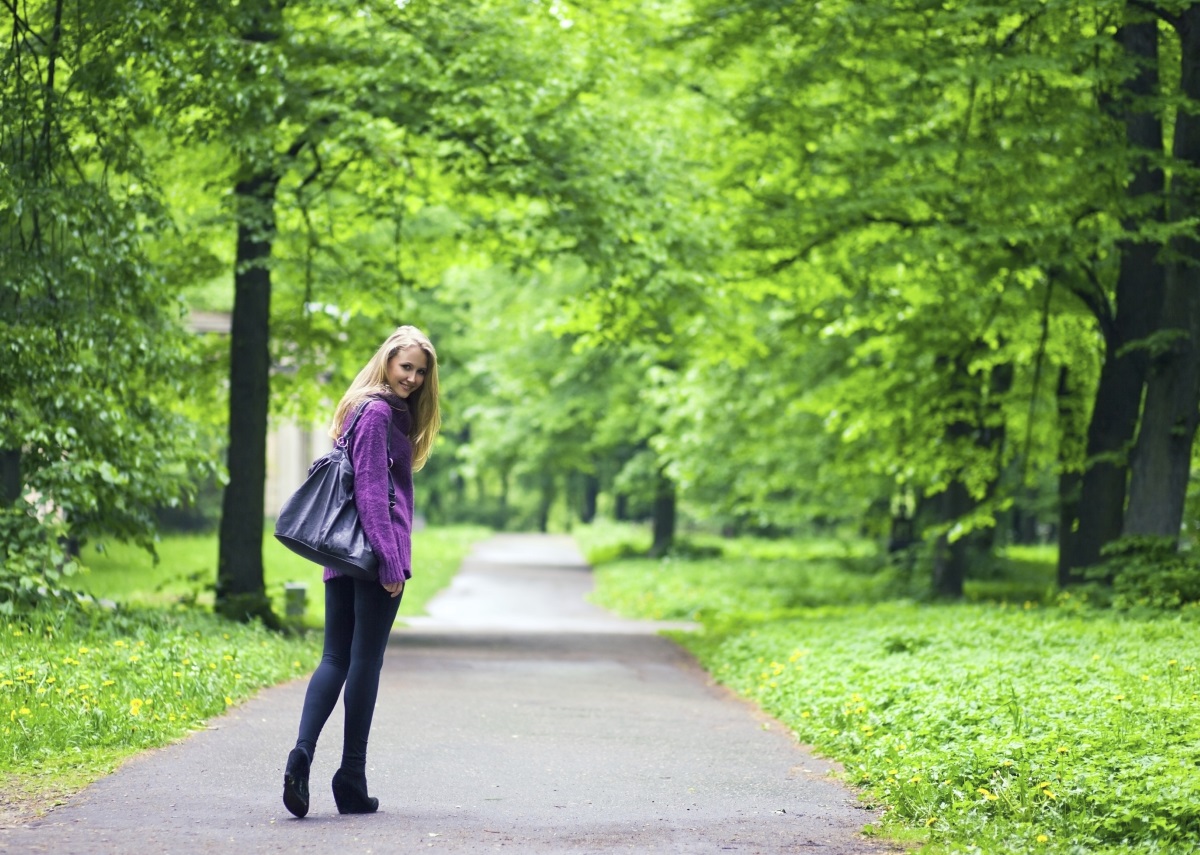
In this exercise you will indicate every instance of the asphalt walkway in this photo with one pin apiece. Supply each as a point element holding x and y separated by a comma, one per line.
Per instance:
<point>516,716</point>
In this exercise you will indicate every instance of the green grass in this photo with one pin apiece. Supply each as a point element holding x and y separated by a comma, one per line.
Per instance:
<point>1017,725</point>
<point>82,689</point>
<point>186,570</point>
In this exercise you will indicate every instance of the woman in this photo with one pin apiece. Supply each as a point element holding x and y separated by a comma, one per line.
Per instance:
<point>393,437</point>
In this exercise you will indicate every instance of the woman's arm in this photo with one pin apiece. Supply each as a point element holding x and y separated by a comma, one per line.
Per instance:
<point>369,454</point>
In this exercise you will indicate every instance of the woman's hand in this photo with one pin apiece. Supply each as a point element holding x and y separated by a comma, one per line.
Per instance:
<point>394,588</point>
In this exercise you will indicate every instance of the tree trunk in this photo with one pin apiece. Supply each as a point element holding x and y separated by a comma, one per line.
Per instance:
<point>546,496</point>
<point>10,477</point>
<point>1140,288</point>
<point>590,493</point>
<point>664,516</point>
<point>241,593</point>
<point>620,507</point>
<point>1163,456</point>
<point>951,560</point>
<point>1070,479</point>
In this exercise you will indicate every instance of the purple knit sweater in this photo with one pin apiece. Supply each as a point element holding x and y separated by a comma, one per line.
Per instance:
<point>388,529</point>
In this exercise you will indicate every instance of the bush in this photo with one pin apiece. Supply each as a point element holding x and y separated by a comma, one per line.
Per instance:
<point>1150,572</point>
<point>34,566</point>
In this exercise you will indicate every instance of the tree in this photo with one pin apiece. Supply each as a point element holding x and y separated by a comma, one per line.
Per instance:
<point>93,437</point>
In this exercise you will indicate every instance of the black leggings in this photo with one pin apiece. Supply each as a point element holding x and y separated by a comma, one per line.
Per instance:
<point>358,620</point>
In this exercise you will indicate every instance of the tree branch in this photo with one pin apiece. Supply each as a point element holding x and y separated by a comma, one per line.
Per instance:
<point>1158,11</point>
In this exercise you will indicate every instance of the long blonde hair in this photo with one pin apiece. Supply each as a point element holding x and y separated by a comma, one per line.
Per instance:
<point>372,379</point>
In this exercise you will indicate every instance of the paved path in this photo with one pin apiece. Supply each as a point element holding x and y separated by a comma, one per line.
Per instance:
<point>516,717</point>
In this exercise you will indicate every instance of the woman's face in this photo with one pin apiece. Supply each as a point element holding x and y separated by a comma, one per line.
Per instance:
<point>406,370</point>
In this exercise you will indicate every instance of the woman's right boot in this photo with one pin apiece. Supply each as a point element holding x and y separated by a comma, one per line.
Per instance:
<point>350,793</point>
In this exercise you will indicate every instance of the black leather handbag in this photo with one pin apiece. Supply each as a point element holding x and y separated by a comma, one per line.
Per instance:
<point>320,520</point>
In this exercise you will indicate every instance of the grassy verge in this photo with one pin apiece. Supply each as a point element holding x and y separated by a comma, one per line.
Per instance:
<point>980,727</point>
<point>83,689</point>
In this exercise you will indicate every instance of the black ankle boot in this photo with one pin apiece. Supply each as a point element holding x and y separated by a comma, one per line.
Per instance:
<point>350,793</point>
<point>295,782</point>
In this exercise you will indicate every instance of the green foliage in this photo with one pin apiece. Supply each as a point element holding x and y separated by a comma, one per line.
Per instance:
<point>1149,572</point>
<point>96,361</point>
<point>33,565</point>
<point>984,728</point>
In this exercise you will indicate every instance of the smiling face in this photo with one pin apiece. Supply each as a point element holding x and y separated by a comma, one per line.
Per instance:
<point>406,370</point>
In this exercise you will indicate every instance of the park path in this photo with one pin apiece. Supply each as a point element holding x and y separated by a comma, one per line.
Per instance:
<point>516,716</point>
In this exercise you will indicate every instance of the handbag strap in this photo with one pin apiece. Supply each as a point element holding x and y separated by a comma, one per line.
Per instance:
<point>341,443</point>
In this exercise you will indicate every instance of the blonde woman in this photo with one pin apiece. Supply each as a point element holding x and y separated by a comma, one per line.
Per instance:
<point>392,439</point>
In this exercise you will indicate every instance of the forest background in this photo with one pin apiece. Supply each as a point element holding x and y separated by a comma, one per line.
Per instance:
<point>918,279</point>
<point>927,271</point>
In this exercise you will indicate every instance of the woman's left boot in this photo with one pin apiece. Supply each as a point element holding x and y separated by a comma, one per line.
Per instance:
<point>295,782</point>
<point>350,793</point>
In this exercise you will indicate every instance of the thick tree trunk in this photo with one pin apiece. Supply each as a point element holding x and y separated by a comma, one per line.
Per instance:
<point>1140,289</point>
<point>241,593</point>
<point>664,516</point>
<point>1163,456</point>
<point>951,560</point>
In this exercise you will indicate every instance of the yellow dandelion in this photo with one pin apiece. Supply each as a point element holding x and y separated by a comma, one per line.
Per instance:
<point>1042,838</point>
<point>915,779</point>
<point>228,658</point>
<point>930,821</point>
<point>135,658</point>
<point>1096,657</point>
<point>25,711</point>
<point>228,701</point>
<point>1173,662</point>
<point>1049,794</point>
<point>805,715</point>
<point>109,683</point>
<point>1062,749</point>
<point>119,643</point>
<point>1118,697</point>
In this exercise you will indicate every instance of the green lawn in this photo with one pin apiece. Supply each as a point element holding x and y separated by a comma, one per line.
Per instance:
<point>1037,724</point>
